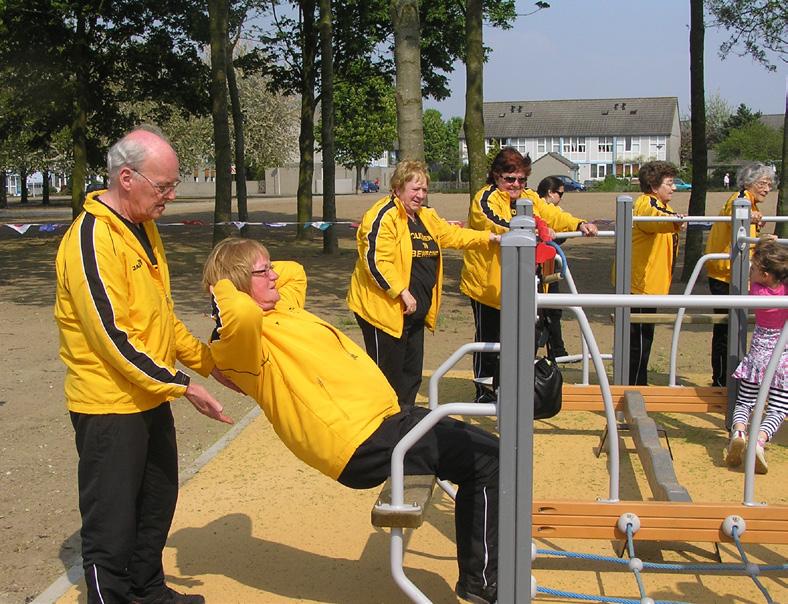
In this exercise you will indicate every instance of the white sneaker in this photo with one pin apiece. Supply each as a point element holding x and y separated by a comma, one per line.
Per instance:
<point>735,449</point>
<point>761,467</point>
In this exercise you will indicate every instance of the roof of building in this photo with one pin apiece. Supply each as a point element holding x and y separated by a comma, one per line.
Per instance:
<point>583,117</point>
<point>774,121</point>
<point>558,157</point>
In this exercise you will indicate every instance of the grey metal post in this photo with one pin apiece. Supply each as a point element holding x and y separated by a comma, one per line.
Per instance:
<point>623,286</point>
<point>516,410</point>
<point>737,317</point>
<point>525,207</point>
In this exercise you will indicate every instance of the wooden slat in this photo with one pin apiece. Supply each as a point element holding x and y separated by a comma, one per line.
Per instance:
<point>418,492</point>
<point>664,399</point>
<point>659,521</point>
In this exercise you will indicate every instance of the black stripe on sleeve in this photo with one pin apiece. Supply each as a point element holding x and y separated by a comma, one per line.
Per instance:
<point>103,305</point>
<point>487,210</point>
<point>372,240</point>
<point>655,204</point>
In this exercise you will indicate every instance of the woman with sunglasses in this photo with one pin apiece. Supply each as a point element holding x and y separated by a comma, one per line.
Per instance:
<point>491,210</point>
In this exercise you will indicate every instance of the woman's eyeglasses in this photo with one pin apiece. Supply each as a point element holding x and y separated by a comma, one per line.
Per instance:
<point>261,271</point>
<point>513,179</point>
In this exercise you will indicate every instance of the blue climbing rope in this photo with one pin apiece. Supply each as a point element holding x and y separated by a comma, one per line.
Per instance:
<point>591,598</point>
<point>668,566</point>
<point>753,573</point>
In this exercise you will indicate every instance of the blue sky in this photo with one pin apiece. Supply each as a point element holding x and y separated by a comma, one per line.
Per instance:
<point>611,48</point>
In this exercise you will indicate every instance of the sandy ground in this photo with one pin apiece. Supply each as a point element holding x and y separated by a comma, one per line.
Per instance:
<point>257,525</point>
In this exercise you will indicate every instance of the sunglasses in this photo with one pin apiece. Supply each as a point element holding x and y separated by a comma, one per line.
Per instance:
<point>512,179</point>
<point>559,193</point>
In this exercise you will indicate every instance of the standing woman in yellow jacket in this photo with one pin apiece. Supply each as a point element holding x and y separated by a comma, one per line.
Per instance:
<point>491,210</point>
<point>395,289</point>
<point>655,246</point>
<point>754,181</point>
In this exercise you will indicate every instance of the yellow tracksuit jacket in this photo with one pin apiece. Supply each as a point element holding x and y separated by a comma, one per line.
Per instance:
<point>385,256</point>
<point>492,210</point>
<point>119,336</point>
<point>720,239</point>
<point>654,247</point>
<point>322,394</point>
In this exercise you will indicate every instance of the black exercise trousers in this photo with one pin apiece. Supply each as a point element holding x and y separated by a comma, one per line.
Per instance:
<point>641,337</point>
<point>400,359</point>
<point>719,337</point>
<point>487,328</point>
<point>454,451</point>
<point>128,487</point>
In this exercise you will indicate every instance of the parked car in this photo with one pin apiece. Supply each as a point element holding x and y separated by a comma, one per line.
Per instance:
<point>570,184</point>
<point>681,185</point>
<point>369,186</point>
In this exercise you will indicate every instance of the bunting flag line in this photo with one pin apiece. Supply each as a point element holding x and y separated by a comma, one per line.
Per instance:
<point>51,227</point>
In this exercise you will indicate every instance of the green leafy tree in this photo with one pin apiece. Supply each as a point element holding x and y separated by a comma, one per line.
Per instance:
<point>757,28</point>
<point>435,138</point>
<point>365,122</point>
<point>754,141</point>
<point>743,117</point>
<point>72,63</point>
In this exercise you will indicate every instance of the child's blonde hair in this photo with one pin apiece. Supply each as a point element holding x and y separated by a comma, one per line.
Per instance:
<point>771,257</point>
<point>233,259</point>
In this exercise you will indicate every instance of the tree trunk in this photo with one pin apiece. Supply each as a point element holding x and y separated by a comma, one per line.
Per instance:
<point>80,123</point>
<point>45,189</point>
<point>358,179</point>
<point>407,59</point>
<point>3,188</point>
<point>23,172</point>
<point>306,137</point>
<point>330,244</point>
<point>697,205</point>
<point>240,145</point>
<point>781,228</point>
<point>474,97</point>
<point>218,13</point>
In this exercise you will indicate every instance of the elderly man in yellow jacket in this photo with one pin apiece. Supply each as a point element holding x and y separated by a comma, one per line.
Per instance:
<point>119,340</point>
<point>334,409</point>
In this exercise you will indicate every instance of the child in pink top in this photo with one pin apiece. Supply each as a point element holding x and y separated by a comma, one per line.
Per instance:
<point>768,277</point>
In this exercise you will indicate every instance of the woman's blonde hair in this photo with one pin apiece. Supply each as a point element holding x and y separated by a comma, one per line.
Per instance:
<point>407,170</point>
<point>233,259</point>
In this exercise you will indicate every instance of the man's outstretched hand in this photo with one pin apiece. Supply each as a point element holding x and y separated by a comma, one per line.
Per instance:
<point>205,403</point>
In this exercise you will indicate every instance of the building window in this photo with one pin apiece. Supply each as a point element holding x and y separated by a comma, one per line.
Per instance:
<point>556,145</point>
<point>605,144</point>
<point>656,147</point>
<point>541,146</point>
<point>601,170</point>
<point>574,144</point>
<point>627,143</point>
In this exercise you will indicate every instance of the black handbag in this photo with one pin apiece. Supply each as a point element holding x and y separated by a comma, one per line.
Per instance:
<point>547,388</point>
<point>547,374</point>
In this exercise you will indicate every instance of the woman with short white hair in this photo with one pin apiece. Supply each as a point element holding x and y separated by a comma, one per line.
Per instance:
<point>754,181</point>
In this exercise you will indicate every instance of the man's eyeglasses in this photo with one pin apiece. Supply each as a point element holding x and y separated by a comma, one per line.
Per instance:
<point>160,189</point>
<point>559,193</point>
<point>260,272</point>
<point>512,179</point>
